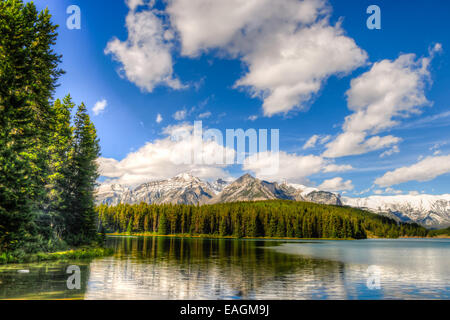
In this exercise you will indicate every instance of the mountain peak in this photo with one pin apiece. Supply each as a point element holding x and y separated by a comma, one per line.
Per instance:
<point>246,177</point>
<point>187,176</point>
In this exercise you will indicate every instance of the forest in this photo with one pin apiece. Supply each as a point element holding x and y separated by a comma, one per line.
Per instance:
<point>48,147</point>
<point>272,219</point>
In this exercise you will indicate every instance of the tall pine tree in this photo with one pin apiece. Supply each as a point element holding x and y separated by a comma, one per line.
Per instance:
<point>28,75</point>
<point>80,176</point>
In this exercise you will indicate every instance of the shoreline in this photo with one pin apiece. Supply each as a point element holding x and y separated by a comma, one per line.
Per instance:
<point>206,236</point>
<point>71,254</point>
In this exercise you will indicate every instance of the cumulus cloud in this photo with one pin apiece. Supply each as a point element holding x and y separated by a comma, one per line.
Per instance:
<point>159,118</point>
<point>100,106</point>
<point>133,4</point>
<point>289,46</point>
<point>145,57</point>
<point>336,184</point>
<point>424,170</point>
<point>167,157</point>
<point>379,98</point>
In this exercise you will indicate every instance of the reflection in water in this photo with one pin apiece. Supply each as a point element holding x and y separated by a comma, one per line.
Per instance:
<point>44,281</point>
<point>169,268</point>
<point>173,268</point>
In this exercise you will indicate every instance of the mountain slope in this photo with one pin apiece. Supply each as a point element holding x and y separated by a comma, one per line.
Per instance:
<point>246,188</point>
<point>182,189</point>
<point>430,211</point>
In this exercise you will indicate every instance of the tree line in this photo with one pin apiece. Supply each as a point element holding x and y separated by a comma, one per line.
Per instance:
<point>47,155</point>
<point>278,218</point>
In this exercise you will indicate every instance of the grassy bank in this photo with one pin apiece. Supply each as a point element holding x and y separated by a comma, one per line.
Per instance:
<point>74,254</point>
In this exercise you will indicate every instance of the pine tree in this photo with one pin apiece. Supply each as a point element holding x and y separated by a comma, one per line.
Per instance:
<point>81,176</point>
<point>28,75</point>
<point>59,159</point>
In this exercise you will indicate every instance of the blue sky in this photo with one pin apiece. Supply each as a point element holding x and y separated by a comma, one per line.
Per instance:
<point>289,81</point>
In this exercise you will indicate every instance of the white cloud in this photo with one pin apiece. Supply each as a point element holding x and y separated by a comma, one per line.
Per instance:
<point>289,46</point>
<point>336,184</point>
<point>165,158</point>
<point>180,115</point>
<point>133,4</point>
<point>311,143</point>
<point>291,167</point>
<point>389,91</point>
<point>253,117</point>
<point>145,57</point>
<point>159,118</point>
<point>424,170</point>
<point>205,115</point>
<point>337,168</point>
<point>394,191</point>
<point>100,106</point>
<point>390,152</point>
<point>316,139</point>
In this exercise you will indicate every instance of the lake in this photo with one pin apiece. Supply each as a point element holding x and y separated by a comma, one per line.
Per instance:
<point>176,268</point>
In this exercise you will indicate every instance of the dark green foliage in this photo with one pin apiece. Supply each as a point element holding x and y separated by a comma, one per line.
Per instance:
<point>28,75</point>
<point>80,180</point>
<point>440,232</point>
<point>47,166</point>
<point>257,219</point>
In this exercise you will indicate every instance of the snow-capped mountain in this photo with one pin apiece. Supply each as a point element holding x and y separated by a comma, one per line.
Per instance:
<point>110,194</point>
<point>431,211</point>
<point>182,189</point>
<point>428,210</point>
<point>246,188</point>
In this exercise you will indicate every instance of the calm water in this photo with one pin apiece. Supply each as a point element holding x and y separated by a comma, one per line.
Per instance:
<point>172,268</point>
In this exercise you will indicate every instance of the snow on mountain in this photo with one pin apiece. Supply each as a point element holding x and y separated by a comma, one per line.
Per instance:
<point>246,188</point>
<point>182,189</point>
<point>110,194</point>
<point>431,211</point>
<point>218,185</point>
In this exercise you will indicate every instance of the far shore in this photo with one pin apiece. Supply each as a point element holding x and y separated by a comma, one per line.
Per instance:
<point>212,236</point>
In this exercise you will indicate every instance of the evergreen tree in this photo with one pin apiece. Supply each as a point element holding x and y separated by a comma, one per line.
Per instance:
<point>28,75</point>
<point>81,176</point>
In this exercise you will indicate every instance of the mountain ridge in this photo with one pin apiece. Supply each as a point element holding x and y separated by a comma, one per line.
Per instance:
<point>427,210</point>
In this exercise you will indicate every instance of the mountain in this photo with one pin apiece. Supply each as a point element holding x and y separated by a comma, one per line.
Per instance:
<point>110,194</point>
<point>430,211</point>
<point>182,189</point>
<point>187,189</point>
<point>246,188</point>
<point>427,210</point>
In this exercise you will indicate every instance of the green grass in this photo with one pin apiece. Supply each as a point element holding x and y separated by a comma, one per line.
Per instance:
<point>76,254</point>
